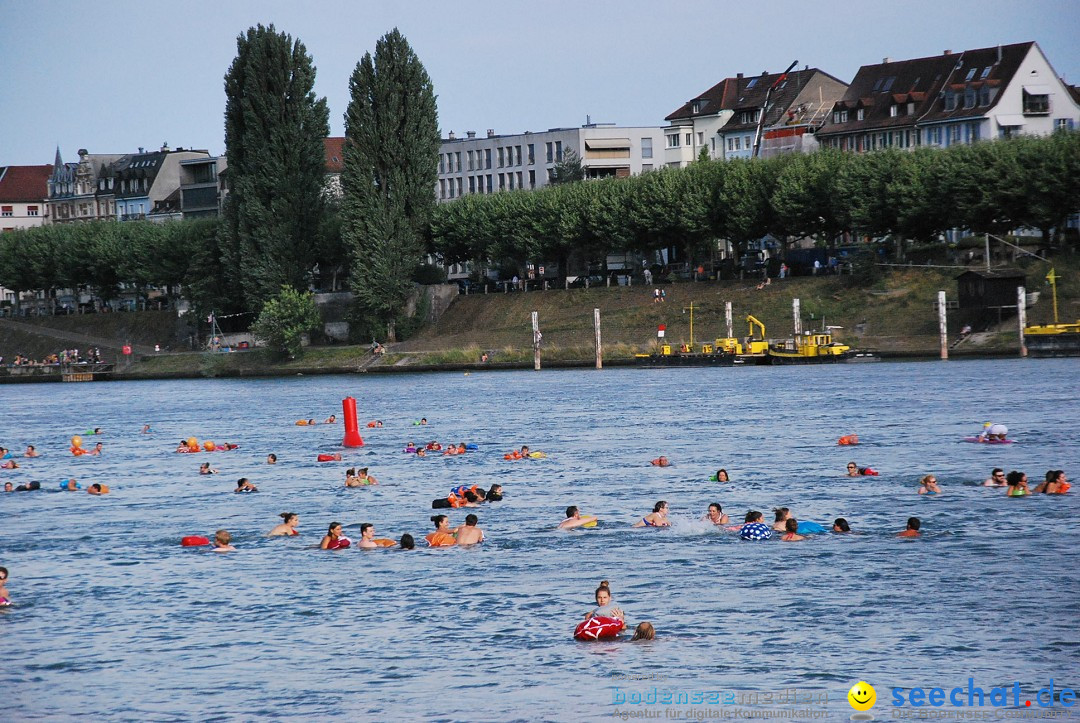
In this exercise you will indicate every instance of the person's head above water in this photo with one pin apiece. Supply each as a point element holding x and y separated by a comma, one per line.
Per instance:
<point>753,516</point>
<point>440,521</point>
<point>841,525</point>
<point>603,593</point>
<point>407,542</point>
<point>571,511</point>
<point>782,513</point>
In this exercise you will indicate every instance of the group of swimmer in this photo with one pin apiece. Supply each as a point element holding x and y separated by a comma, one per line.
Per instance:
<point>1054,483</point>
<point>335,539</point>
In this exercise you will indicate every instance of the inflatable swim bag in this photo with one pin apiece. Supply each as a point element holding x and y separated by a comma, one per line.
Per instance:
<point>598,628</point>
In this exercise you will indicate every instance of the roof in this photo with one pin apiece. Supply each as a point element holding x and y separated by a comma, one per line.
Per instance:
<point>1074,91</point>
<point>24,184</point>
<point>711,102</point>
<point>923,83</point>
<point>752,91</point>
<point>334,148</point>
<point>995,274</point>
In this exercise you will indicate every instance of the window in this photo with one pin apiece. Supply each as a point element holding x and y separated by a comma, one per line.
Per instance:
<point>689,139</point>
<point>701,138</point>
<point>457,163</point>
<point>558,151</point>
<point>950,101</point>
<point>894,110</point>
<point>549,156</point>
<point>501,164</point>
<point>984,96</point>
<point>737,145</point>
<point>954,134</point>
<point>911,107</point>
<point>1036,102</point>
<point>1063,124</point>
<point>7,211</point>
<point>645,167</point>
<point>31,210</point>
<point>646,147</point>
<point>933,136</point>
<point>673,140</point>
<point>490,185</point>
<point>752,83</point>
<point>839,116</point>
<point>502,181</point>
<point>973,131</point>
<point>487,159</point>
<point>518,156</point>
<point>532,154</point>
<point>442,188</point>
<point>986,72</point>
<point>532,177</point>
<point>469,159</point>
<point>860,114</point>
<point>451,184</point>
<point>510,179</point>
<point>970,74</point>
<point>731,144</point>
<point>460,183</point>
<point>695,107</point>
<point>520,184</point>
<point>969,98</point>
<point>748,142</point>
<point>888,83</point>
<point>472,180</point>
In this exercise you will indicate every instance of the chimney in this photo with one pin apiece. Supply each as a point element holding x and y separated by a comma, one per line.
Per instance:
<point>947,52</point>
<point>164,146</point>
<point>491,132</point>
<point>452,137</point>
<point>471,134</point>
<point>738,75</point>
<point>142,150</point>
<point>886,60</point>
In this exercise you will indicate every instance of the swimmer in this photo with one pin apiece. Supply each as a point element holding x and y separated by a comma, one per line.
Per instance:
<point>423,422</point>
<point>97,430</point>
<point>928,485</point>
<point>421,452</point>
<point>364,478</point>
<point>367,536</point>
<point>996,478</point>
<point>146,429</point>
<point>242,485</point>
<point>1056,483</point>
<point>656,518</point>
<point>4,601</point>
<point>334,540</point>
<point>722,475</point>
<point>791,534</point>
<point>407,542</point>
<point>495,493</point>
<point>852,469</point>
<point>8,487</point>
<point>311,422</point>
<point>644,631</point>
<point>574,519</point>
<point>1017,484</point>
<point>605,607</point>
<point>660,461</point>
<point>205,468</point>
<point>332,419</point>
<point>992,432</point>
<point>271,458</point>
<point>9,464</point>
<point>840,525</point>
<point>71,485</point>
<point>469,533</point>
<point>286,528</point>
<point>96,450</point>
<point>912,529</point>
<point>31,452</point>
<point>335,457</point>
<point>442,536</point>
<point>222,540</point>
<point>378,423</point>
<point>753,528</point>
<point>471,498</point>
<point>781,516</point>
<point>96,489</point>
<point>716,514</point>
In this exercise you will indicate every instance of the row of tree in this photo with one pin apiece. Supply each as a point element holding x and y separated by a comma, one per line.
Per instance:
<point>906,195</point>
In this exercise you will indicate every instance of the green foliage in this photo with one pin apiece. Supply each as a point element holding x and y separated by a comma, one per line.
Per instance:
<point>285,318</point>
<point>274,131</point>
<point>391,167</point>
<point>568,169</point>
<point>429,274</point>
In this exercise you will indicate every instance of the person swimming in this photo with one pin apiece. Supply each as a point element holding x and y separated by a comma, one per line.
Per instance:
<point>334,540</point>
<point>4,575</point>
<point>367,536</point>
<point>242,485</point>
<point>31,451</point>
<point>605,606</point>
<point>407,542</point>
<point>332,419</point>
<point>222,541</point>
<point>469,533</point>
<point>205,468</point>
<point>928,485</point>
<point>722,475</point>
<point>781,515</point>
<point>1055,483</point>
<point>574,519</point>
<point>442,536</point>
<point>791,531</point>
<point>996,478</point>
<point>660,461</point>
<point>271,458</point>
<point>643,631</point>
<point>754,529</point>
<point>495,493</point>
<point>97,489</point>
<point>912,529</point>
<point>992,432</point>
<point>1017,484</point>
<point>287,527</point>
<point>840,525</point>
<point>716,514</point>
<point>656,518</point>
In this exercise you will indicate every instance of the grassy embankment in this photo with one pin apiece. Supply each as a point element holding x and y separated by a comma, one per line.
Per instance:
<point>895,315</point>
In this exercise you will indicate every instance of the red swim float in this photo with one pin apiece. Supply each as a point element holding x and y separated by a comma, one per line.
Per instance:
<point>194,541</point>
<point>328,457</point>
<point>339,544</point>
<point>598,628</point>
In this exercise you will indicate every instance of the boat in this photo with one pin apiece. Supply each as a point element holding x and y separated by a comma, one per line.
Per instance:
<point>809,348</point>
<point>688,355</point>
<point>1053,340</point>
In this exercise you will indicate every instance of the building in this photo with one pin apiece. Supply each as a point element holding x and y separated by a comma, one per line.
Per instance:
<point>989,289</point>
<point>146,185</point>
<point>952,98</point>
<point>724,118</point>
<point>527,160</point>
<point>334,150</point>
<point>202,186</point>
<point>24,196</point>
<point>77,191</point>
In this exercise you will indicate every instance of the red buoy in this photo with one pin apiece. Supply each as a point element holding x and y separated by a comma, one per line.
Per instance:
<point>194,541</point>
<point>352,431</point>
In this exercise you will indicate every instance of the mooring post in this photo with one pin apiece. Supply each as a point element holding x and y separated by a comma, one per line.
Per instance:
<point>942,328</point>
<point>1021,316</point>
<point>536,340</point>
<point>797,313</point>
<point>599,348</point>
<point>727,318</point>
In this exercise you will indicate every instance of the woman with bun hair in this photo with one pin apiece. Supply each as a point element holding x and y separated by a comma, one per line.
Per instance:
<point>442,536</point>
<point>606,608</point>
<point>288,527</point>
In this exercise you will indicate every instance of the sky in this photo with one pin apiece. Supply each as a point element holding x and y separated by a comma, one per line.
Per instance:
<point>113,75</point>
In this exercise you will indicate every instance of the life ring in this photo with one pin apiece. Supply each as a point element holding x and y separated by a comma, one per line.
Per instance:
<point>598,628</point>
<point>848,439</point>
<point>194,541</point>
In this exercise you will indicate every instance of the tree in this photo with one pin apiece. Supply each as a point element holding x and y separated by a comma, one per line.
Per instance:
<point>568,169</point>
<point>391,168</point>
<point>274,131</point>
<point>285,318</point>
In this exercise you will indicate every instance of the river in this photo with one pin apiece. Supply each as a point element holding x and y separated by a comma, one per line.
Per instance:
<point>113,619</point>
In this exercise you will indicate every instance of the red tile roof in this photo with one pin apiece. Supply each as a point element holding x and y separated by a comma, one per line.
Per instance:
<point>335,154</point>
<point>24,184</point>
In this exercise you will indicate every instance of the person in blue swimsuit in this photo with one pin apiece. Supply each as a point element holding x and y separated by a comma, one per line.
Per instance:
<point>928,485</point>
<point>656,518</point>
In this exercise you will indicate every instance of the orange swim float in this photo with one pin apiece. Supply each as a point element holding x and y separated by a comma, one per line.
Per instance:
<point>848,439</point>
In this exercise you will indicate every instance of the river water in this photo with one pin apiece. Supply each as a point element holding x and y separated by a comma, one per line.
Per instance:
<point>113,619</point>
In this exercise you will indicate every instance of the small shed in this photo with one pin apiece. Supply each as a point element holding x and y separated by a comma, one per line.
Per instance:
<point>989,289</point>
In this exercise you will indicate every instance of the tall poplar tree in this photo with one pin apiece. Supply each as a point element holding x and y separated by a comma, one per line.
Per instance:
<point>391,167</point>
<point>274,131</point>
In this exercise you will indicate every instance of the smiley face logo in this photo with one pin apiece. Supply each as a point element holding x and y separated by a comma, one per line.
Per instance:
<point>862,696</point>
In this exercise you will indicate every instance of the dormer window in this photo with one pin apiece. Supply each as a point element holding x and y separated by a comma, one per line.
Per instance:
<point>695,107</point>
<point>986,72</point>
<point>969,98</point>
<point>840,116</point>
<point>970,74</point>
<point>860,114</point>
<point>950,100</point>
<point>984,96</point>
<point>911,108</point>
<point>752,83</point>
<point>894,110</point>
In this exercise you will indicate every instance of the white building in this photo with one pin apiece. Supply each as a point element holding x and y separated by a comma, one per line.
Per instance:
<point>526,161</point>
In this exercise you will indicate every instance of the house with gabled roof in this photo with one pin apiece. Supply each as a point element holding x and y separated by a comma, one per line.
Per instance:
<point>949,99</point>
<point>75,189</point>
<point>24,196</point>
<point>721,118</point>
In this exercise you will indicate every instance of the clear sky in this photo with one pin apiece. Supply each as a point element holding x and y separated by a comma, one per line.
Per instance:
<point>110,75</point>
